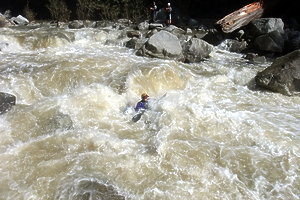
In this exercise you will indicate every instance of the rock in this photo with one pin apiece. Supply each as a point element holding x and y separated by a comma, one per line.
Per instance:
<point>4,22</point>
<point>255,58</point>
<point>59,121</point>
<point>124,21</point>
<point>175,30</point>
<point>272,42</point>
<point>19,20</point>
<point>264,26</point>
<point>7,14</point>
<point>132,34</point>
<point>6,102</point>
<point>135,43</point>
<point>76,24</point>
<point>162,45</point>
<point>214,37</point>
<point>233,45</point>
<point>143,26</point>
<point>155,25</point>
<point>195,50</point>
<point>283,75</point>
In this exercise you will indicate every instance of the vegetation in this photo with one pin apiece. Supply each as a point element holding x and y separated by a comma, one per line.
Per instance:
<point>97,9</point>
<point>59,10</point>
<point>29,13</point>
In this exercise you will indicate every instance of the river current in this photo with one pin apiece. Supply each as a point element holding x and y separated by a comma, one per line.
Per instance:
<point>209,134</point>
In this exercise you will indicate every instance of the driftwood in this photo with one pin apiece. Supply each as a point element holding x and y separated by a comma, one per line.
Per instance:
<point>241,17</point>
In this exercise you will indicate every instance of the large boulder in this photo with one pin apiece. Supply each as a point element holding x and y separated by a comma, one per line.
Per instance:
<point>264,26</point>
<point>163,45</point>
<point>283,75</point>
<point>195,50</point>
<point>6,102</point>
<point>19,20</point>
<point>271,42</point>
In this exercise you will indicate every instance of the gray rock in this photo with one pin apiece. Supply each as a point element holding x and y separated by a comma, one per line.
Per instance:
<point>135,43</point>
<point>143,26</point>
<point>19,20</point>
<point>233,45</point>
<point>263,26</point>
<point>272,42</point>
<point>7,14</point>
<point>195,50</point>
<point>4,22</point>
<point>162,45</point>
<point>155,25</point>
<point>76,24</point>
<point>283,75</point>
<point>132,34</point>
<point>255,58</point>
<point>6,102</point>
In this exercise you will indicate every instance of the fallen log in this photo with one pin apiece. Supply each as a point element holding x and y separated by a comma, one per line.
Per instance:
<point>241,17</point>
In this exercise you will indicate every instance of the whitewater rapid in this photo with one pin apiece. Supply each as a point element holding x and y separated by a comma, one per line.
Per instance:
<point>208,135</point>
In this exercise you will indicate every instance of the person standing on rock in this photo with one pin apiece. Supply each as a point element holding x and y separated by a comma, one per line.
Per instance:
<point>169,13</point>
<point>153,11</point>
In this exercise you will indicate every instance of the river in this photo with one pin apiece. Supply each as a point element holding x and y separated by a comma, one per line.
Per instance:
<point>209,134</point>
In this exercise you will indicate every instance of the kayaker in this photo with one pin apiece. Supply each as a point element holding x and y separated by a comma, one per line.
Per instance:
<point>143,103</point>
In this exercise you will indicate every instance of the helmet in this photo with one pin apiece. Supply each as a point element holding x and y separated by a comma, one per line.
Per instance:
<point>144,95</point>
<point>169,4</point>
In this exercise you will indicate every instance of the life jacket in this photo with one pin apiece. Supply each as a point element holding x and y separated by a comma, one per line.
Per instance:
<point>141,105</point>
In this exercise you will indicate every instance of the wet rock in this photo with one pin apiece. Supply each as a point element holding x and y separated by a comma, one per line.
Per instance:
<point>283,76</point>
<point>233,45</point>
<point>155,25</point>
<point>133,33</point>
<point>19,20</point>
<point>59,121</point>
<point>264,26</point>
<point>195,50</point>
<point>175,30</point>
<point>214,37</point>
<point>89,189</point>
<point>255,58</point>
<point>7,14</point>
<point>271,42</point>
<point>163,45</point>
<point>135,43</point>
<point>76,24</point>
<point>7,101</point>
<point>143,26</point>
<point>4,22</point>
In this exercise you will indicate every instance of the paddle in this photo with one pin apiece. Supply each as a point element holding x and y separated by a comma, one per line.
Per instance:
<point>138,116</point>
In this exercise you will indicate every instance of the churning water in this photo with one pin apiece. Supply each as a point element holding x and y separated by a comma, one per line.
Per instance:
<point>208,135</point>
